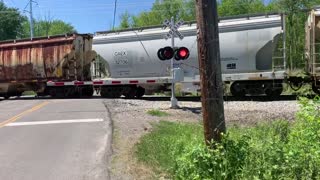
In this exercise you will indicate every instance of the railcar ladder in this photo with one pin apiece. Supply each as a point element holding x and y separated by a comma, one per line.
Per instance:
<point>96,66</point>
<point>72,70</point>
<point>278,62</point>
<point>315,56</point>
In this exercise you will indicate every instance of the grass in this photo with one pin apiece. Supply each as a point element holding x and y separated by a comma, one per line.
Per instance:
<point>270,150</point>
<point>29,93</point>
<point>304,90</point>
<point>156,149</point>
<point>158,113</point>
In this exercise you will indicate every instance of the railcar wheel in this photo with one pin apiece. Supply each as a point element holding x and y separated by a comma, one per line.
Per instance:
<point>111,92</point>
<point>87,91</point>
<point>140,92</point>
<point>52,92</point>
<point>117,91</point>
<point>131,93</point>
<point>274,90</point>
<point>105,92</point>
<point>6,96</point>
<point>57,92</point>
<point>237,89</point>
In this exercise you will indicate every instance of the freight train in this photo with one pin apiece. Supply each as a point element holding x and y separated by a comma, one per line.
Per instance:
<point>116,63</point>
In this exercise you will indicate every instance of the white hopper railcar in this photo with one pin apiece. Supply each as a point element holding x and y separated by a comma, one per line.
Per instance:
<point>251,58</point>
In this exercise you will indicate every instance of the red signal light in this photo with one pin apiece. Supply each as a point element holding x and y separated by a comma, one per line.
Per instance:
<point>182,53</point>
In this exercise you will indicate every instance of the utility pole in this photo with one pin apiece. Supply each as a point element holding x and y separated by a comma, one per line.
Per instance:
<point>114,14</point>
<point>31,19</point>
<point>210,70</point>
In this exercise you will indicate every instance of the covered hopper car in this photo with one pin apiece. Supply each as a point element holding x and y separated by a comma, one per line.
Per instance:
<point>252,48</point>
<point>251,57</point>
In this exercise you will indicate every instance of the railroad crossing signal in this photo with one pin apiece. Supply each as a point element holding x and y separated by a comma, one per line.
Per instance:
<point>173,29</point>
<point>170,52</point>
<point>167,53</point>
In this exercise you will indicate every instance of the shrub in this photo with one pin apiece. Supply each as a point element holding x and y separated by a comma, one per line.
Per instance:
<point>274,150</point>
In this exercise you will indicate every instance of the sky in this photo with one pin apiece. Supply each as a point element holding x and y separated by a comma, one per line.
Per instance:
<point>87,16</point>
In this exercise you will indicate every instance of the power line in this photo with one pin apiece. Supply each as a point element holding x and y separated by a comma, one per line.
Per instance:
<point>30,3</point>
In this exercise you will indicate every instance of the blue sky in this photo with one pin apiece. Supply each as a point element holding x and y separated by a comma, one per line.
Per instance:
<point>87,16</point>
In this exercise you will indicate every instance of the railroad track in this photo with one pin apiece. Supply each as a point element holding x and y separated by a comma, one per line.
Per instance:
<point>228,98</point>
<point>188,98</point>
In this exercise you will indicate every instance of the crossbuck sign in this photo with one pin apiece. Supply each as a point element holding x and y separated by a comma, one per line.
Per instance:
<point>173,29</point>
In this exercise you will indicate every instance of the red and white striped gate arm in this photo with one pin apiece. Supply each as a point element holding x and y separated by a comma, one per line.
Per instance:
<point>69,83</point>
<point>122,81</point>
<point>133,81</point>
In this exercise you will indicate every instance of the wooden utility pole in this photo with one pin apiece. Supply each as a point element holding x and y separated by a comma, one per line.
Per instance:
<point>210,70</point>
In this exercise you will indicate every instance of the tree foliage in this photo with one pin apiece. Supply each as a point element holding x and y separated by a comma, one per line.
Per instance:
<point>125,20</point>
<point>47,27</point>
<point>237,7</point>
<point>161,9</point>
<point>185,9</point>
<point>13,25</point>
<point>10,22</point>
<point>295,28</point>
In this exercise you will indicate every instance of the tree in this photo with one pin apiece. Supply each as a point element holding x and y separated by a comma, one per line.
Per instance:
<point>60,27</point>
<point>46,24</point>
<point>125,20</point>
<point>185,9</point>
<point>161,10</point>
<point>240,7</point>
<point>10,22</point>
<point>295,29</point>
<point>47,27</point>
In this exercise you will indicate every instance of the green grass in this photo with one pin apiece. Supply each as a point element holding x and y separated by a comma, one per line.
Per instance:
<point>270,150</point>
<point>29,93</point>
<point>158,113</point>
<point>157,148</point>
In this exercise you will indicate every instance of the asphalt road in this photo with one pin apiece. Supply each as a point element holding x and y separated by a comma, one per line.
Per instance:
<point>54,139</point>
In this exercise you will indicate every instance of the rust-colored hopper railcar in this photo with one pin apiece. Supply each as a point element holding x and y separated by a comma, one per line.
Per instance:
<point>28,64</point>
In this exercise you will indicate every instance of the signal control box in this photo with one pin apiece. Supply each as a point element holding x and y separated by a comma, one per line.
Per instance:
<point>178,75</point>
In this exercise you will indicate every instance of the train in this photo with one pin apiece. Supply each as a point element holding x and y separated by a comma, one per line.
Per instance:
<point>247,46</point>
<point>125,62</point>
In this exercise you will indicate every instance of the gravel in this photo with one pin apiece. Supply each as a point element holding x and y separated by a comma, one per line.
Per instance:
<point>236,111</point>
<point>131,122</point>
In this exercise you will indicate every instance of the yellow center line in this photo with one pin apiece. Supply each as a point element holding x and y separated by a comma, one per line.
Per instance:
<point>2,124</point>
